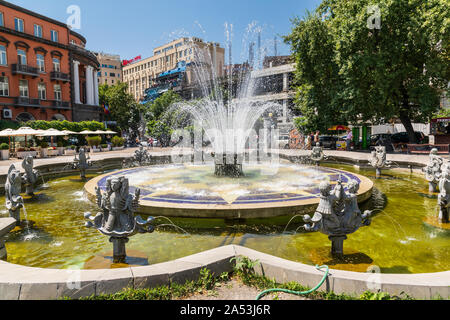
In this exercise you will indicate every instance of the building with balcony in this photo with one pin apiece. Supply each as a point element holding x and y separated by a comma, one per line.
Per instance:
<point>38,73</point>
<point>273,83</point>
<point>172,66</point>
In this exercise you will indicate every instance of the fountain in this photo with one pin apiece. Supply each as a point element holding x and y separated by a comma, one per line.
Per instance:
<point>81,162</point>
<point>378,160</point>
<point>317,154</point>
<point>240,175</point>
<point>140,158</point>
<point>444,194</point>
<point>30,176</point>
<point>117,220</point>
<point>337,215</point>
<point>14,201</point>
<point>228,165</point>
<point>433,170</point>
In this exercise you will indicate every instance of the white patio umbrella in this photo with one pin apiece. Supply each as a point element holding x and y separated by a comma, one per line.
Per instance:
<point>25,132</point>
<point>7,133</point>
<point>87,132</point>
<point>52,133</point>
<point>68,132</point>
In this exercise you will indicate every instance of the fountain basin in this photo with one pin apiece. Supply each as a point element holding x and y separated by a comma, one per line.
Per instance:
<point>194,191</point>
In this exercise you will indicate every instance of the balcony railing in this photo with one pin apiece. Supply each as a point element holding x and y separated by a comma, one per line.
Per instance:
<point>56,75</point>
<point>27,102</point>
<point>60,104</point>
<point>25,70</point>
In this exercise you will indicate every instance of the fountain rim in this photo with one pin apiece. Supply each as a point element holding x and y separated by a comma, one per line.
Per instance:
<point>230,211</point>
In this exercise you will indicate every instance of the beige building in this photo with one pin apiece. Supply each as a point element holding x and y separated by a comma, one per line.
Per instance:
<point>148,72</point>
<point>110,68</point>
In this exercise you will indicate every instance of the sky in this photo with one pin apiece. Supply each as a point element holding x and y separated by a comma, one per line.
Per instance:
<point>133,28</point>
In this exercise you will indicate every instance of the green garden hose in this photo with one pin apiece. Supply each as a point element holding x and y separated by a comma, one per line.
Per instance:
<point>298,293</point>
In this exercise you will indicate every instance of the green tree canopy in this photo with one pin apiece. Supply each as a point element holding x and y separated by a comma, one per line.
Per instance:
<point>349,70</point>
<point>122,106</point>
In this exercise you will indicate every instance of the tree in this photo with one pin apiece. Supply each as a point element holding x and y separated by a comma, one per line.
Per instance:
<point>122,106</point>
<point>347,70</point>
<point>162,117</point>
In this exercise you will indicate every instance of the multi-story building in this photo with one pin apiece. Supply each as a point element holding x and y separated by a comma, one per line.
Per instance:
<point>172,64</point>
<point>110,68</point>
<point>45,71</point>
<point>273,83</point>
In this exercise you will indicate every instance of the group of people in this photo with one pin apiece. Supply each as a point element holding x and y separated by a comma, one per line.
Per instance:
<point>311,140</point>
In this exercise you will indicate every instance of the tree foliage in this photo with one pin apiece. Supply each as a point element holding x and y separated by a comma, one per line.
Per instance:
<point>348,72</point>
<point>122,106</point>
<point>162,117</point>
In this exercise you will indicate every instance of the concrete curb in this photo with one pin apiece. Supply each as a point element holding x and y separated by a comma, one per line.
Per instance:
<point>24,283</point>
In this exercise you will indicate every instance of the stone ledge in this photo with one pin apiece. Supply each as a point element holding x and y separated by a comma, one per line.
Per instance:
<point>24,283</point>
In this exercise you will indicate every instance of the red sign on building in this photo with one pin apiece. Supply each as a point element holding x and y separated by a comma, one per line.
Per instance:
<point>127,62</point>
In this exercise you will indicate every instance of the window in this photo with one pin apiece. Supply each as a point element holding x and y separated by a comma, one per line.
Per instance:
<point>54,36</point>
<point>3,59</point>
<point>42,92</point>
<point>18,23</point>
<point>58,94</point>
<point>4,86</point>
<point>112,74</point>
<point>22,56</point>
<point>40,62</point>
<point>56,65</point>
<point>1,19</point>
<point>23,88</point>
<point>38,31</point>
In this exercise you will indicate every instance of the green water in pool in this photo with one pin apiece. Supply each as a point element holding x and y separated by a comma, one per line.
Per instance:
<point>398,240</point>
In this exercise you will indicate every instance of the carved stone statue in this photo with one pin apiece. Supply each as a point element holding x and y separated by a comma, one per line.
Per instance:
<point>228,165</point>
<point>337,215</point>
<point>13,186</point>
<point>433,170</point>
<point>117,217</point>
<point>140,158</point>
<point>378,159</point>
<point>444,194</point>
<point>317,154</point>
<point>82,162</point>
<point>30,177</point>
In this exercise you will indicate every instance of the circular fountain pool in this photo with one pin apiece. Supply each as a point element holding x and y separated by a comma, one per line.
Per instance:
<point>265,191</point>
<point>398,240</point>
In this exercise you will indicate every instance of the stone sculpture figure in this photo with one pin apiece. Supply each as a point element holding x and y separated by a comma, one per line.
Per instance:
<point>117,218</point>
<point>140,158</point>
<point>338,214</point>
<point>317,154</point>
<point>228,165</point>
<point>30,176</point>
<point>378,159</point>
<point>433,170</point>
<point>81,163</point>
<point>444,194</point>
<point>13,186</point>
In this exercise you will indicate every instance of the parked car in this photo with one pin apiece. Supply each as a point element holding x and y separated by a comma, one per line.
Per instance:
<point>328,142</point>
<point>377,139</point>
<point>283,142</point>
<point>403,137</point>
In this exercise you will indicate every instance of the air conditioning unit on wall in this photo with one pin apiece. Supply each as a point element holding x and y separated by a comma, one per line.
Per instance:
<point>7,114</point>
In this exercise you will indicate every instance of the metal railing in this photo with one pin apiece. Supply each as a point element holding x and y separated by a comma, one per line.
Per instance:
<point>25,69</point>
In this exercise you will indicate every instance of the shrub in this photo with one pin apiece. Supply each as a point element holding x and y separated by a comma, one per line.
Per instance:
<point>4,146</point>
<point>73,147</point>
<point>104,146</point>
<point>43,144</point>
<point>94,141</point>
<point>118,141</point>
